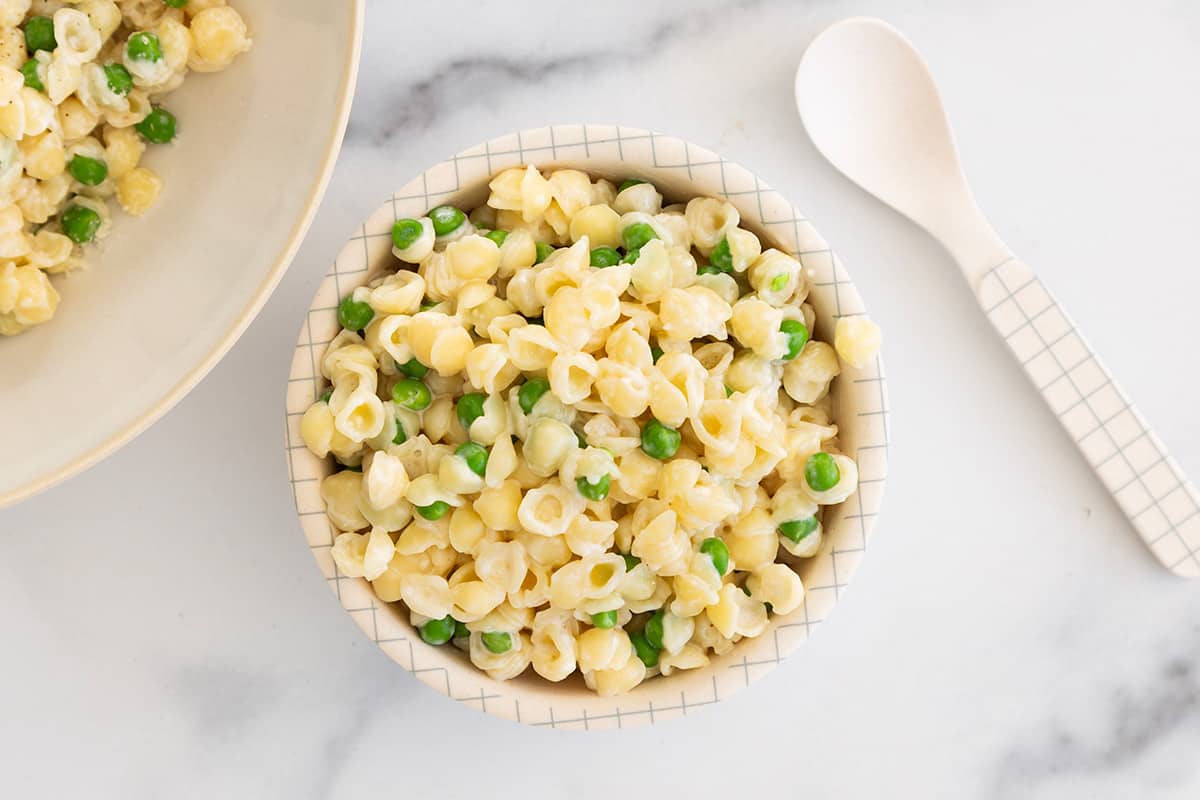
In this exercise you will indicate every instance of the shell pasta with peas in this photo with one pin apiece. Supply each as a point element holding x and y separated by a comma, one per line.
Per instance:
<point>576,430</point>
<point>81,87</point>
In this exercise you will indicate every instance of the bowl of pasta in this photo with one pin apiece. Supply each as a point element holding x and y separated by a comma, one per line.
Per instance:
<point>160,161</point>
<point>587,427</point>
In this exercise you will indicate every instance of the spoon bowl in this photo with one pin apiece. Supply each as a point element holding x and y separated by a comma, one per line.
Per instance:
<point>869,102</point>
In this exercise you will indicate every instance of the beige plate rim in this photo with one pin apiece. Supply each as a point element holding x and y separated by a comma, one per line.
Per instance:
<point>337,132</point>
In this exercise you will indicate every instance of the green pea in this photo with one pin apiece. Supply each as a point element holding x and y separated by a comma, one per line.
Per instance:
<point>325,395</point>
<point>412,394</point>
<point>406,232</point>
<point>447,219</point>
<point>354,314</point>
<point>604,257</point>
<point>497,641</point>
<point>476,456</point>
<point>632,256</point>
<point>144,46</point>
<point>708,269</point>
<point>30,70</point>
<point>543,251</point>
<point>821,472</point>
<point>80,223</point>
<point>176,3</point>
<point>119,79</point>
<point>728,392</point>
<point>720,257</point>
<point>605,619</point>
<point>631,561</point>
<point>778,282</point>
<point>461,631</point>
<point>498,237</point>
<point>654,630</point>
<point>659,441</point>
<point>428,304</point>
<point>656,353</point>
<point>158,127</point>
<point>635,236</point>
<point>530,392</point>
<point>796,529</point>
<point>39,35</point>
<point>646,652</point>
<point>438,631</point>
<point>594,491</point>
<point>469,408</point>
<point>413,368</point>
<point>715,549</point>
<point>400,436</point>
<point>434,511</point>
<point>797,337</point>
<point>625,184</point>
<point>88,171</point>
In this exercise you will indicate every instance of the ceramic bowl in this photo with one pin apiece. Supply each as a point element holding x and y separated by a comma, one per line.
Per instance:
<point>680,170</point>
<point>167,295</point>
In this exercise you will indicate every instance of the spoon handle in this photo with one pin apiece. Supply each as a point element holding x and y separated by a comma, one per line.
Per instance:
<point>1131,461</point>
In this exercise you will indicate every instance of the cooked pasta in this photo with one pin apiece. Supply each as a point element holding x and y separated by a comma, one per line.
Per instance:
<point>81,83</point>
<point>577,430</point>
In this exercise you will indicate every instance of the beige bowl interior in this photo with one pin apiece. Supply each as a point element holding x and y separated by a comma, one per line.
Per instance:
<point>680,170</point>
<point>168,294</point>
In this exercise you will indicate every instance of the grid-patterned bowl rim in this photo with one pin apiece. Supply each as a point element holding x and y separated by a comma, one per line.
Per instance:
<point>681,169</point>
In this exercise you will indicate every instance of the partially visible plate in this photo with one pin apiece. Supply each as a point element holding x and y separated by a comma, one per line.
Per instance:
<point>169,294</point>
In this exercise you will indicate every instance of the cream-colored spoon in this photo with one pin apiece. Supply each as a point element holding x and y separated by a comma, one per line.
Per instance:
<point>872,108</point>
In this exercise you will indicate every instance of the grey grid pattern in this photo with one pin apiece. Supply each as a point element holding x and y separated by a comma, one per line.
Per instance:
<point>682,169</point>
<point>1114,438</point>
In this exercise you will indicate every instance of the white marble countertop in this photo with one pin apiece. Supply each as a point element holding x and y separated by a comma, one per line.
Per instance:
<point>166,633</point>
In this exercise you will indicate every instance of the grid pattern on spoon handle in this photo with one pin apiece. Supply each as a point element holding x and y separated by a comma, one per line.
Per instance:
<point>1130,459</point>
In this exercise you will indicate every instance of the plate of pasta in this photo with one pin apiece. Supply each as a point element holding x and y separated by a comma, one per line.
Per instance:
<point>587,427</point>
<point>132,152</point>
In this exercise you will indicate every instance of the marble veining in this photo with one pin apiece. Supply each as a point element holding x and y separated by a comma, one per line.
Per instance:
<point>222,700</point>
<point>165,634</point>
<point>413,105</point>
<point>1137,722</point>
<point>416,106</point>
